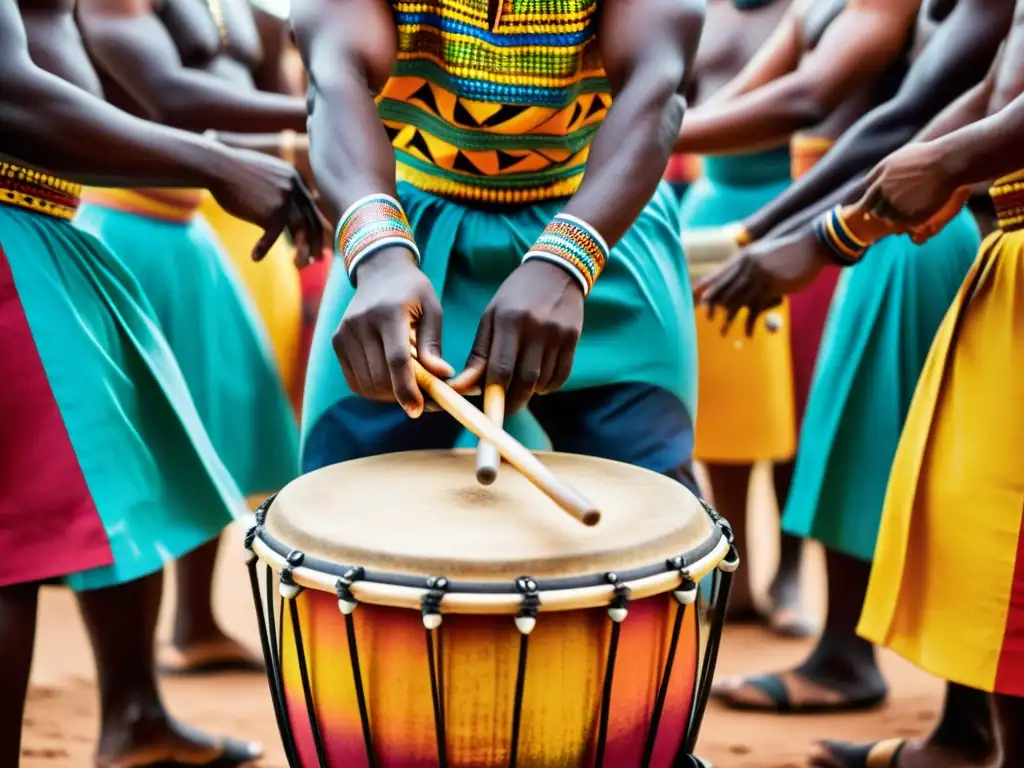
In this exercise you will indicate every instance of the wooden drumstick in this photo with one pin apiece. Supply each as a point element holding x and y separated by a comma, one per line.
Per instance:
<point>514,452</point>
<point>488,460</point>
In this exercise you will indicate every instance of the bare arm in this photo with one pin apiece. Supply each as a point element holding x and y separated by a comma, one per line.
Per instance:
<point>778,55</point>
<point>647,48</point>
<point>970,107</point>
<point>132,46</point>
<point>955,59</point>
<point>349,47</point>
<point>107,147</point>
<point>271,75</point>
<point>855,49</point>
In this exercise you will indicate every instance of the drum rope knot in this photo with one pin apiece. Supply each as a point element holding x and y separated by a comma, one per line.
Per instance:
<point>288,588</point>
<point>430,606</point>
<point>526,618</point>
<point>347,602</point>
<point>618,609</point>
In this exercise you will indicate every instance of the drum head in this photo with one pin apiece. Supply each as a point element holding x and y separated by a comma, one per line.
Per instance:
<point>423,513</point>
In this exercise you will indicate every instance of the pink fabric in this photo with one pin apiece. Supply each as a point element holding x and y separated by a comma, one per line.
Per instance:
<point>49,525</point>
<point>808,311</point>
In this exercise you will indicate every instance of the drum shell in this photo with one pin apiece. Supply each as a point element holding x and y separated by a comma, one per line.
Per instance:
<point>565,672</point>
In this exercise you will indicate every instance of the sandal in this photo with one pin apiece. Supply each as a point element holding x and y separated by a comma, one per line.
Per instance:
<point>841,754</point>
<point>779,700</point>
<point>207,658</point>
<point>233,754</point>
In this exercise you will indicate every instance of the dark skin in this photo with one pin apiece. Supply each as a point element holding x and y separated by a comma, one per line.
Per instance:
<point>730,39</point>
<point>111,148</point>
<point>527,336</point>
<point>756,278</point>
<point>796,82</point>
<point>171,62</point>
<point>975,139</point>
<point>761,274</point>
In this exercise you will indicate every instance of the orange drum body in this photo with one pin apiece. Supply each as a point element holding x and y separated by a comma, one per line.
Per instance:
<point>412,618</point>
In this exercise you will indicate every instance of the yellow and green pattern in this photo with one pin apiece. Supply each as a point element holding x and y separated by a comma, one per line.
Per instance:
<point>503,114</point>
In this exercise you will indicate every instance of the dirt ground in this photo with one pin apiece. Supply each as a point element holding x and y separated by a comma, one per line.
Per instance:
<point>61,721</point>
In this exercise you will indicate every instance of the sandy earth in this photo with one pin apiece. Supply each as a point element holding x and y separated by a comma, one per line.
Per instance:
<point>61,721</point>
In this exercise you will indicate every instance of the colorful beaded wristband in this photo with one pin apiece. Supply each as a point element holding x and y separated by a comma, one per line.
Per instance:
<point>370,224</point>
<point>835,236</point>
<point>574,245</point>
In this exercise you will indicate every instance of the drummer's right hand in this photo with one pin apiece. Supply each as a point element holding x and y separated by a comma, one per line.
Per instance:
<point>393,297</point>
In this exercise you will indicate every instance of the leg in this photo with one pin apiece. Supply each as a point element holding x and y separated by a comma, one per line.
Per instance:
<point>730,484</point>
<point>840,674</point>
<point>1009,720</point>
<point>963,737</point>
<point>18,606</point>
<point>787,606</point>
<point>198,643</point>
<point>136,729</point>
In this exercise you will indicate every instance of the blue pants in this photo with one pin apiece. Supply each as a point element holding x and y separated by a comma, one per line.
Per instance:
<point>637,424</point>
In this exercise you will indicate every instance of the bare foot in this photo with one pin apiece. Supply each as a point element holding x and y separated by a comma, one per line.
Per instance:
<point>148,740</point>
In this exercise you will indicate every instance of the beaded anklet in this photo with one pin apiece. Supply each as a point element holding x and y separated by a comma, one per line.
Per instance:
<point>574,245</point>
<point>369,225</point>
<point>835,236</point>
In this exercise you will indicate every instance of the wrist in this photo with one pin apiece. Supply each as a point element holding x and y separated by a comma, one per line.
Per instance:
<point>373,224</point>
<point>955,163</point>
<point>573,245</point>
<point>384,262</point>
<point>216,165</point>
<point>835,236</point>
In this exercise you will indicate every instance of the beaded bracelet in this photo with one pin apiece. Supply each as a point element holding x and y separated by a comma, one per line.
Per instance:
<point>835,236</point>
<point>369,225</point>
<point>574,245</point>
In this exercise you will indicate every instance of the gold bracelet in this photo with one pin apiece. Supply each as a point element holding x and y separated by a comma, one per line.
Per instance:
<point>289,141</point>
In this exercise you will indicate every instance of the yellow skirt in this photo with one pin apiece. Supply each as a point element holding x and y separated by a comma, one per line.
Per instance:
<point>273,285</point>
<point>947,585</point>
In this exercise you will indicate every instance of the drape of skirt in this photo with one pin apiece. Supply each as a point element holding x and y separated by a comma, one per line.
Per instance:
<point>107,471</point>
<point>884,316</point>
<point>273,285</point>
<point>745,384</point>
<point>214,332</point>
<point>947,583</point>
<point>638,320</point>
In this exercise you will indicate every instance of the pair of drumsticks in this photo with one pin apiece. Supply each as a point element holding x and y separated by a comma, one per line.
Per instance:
<point>496,443</point>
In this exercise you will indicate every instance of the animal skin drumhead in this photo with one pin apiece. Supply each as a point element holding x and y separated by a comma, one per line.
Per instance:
<point>423,512</point>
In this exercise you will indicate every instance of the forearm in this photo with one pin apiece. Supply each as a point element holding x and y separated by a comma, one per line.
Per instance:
<point>196,101</point>
<point>108,147</point>
<point>762,118</point>
<point>628,156</point>
<point>987,149</point>
<point>848,193</point>
<point>349,149</point>
<point>956,59</point>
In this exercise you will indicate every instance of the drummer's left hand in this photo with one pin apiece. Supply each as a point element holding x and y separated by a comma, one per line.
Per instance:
<point>757,278</point>
<point>527,336</point>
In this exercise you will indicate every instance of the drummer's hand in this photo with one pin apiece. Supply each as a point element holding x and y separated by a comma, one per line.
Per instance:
<point>911,185</point>
<point>758,277</point>
<point>393,298</point>
<point>527,336</point>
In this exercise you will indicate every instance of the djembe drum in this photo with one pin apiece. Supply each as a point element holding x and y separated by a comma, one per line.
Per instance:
<point>410,617</point>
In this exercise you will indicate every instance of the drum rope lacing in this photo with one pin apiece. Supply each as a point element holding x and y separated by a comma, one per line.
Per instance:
<point>525,622</point>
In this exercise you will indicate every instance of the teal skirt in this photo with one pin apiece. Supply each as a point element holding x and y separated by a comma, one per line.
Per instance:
<point>884,316</point>
<point>733,187</point>
<point>104,451</point>
<point>207,318</point>
<point>638,324</point>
